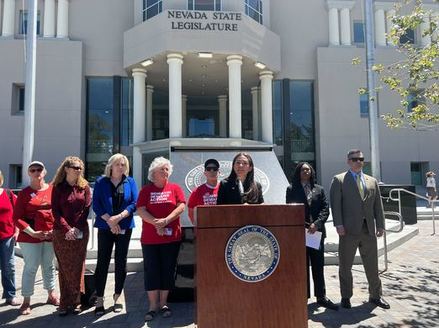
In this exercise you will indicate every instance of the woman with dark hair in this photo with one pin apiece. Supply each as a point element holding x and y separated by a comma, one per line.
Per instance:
<point>240,186</point>
<point>303,189</point>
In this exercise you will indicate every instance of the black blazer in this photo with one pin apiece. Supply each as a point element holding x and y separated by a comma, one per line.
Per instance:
<point>228,193</point>
<point>318,212</point>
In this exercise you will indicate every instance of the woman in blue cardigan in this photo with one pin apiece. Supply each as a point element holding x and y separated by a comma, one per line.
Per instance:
<point>114,203</point>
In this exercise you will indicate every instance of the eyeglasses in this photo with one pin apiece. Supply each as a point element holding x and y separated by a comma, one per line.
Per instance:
<point>76,168</point>
<point>356,159</point>
<point>211,168</point>
<point>40,169</point>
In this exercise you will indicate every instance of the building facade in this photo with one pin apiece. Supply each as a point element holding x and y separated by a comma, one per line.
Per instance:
<point>124,75</point>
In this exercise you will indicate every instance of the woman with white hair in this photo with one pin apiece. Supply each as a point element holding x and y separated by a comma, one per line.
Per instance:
<point>114,202</point>
<point>159,205</point>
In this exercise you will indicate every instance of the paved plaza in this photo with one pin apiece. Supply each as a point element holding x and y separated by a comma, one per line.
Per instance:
<point>411,286</point>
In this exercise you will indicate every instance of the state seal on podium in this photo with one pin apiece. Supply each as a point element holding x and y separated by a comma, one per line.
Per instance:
<point>252,253</point>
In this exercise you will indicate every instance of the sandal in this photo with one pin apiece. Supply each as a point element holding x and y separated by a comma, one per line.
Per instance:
<point>77,309</point>
<point>165,311</point>
<point>25,309</point>
<point>118,307</point>
<point>53,300</point>
<point>99,311</point>
<point>150,315</point>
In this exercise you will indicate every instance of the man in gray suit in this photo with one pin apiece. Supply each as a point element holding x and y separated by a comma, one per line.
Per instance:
<point>358,216</point>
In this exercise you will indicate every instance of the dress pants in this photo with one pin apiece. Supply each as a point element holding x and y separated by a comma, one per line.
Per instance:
<point>367,245</point>
<point>316,258</point>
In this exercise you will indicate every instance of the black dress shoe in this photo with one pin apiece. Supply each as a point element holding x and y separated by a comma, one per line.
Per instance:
<point>380,302</point>
<point>346,303</point>
<point>327,303</point>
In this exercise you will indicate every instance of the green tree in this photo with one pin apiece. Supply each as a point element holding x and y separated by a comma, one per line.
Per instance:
<point>415,77</point>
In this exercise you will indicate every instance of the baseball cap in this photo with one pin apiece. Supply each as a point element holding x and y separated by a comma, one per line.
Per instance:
<point>211,162</point>
<point>36,163</point>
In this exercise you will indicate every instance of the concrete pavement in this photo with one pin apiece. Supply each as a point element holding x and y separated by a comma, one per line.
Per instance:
<point>411,286</point>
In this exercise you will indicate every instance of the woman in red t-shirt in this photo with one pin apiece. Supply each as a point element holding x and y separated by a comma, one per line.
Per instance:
<point>160,204</point>
<point>33,216</point>
<point>8,236</point>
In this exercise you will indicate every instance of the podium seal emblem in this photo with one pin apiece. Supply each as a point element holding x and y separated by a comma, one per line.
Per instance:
<point>252,253</point>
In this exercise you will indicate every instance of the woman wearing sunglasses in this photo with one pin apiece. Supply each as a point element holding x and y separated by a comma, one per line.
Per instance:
<point>33,217</point>
<point>71,200</point>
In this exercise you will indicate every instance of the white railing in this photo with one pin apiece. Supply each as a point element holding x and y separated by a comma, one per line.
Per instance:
<point>398,199</point>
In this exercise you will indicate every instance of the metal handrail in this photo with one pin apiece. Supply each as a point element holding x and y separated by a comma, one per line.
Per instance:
<point>432,202</point>
<point>401,226</point>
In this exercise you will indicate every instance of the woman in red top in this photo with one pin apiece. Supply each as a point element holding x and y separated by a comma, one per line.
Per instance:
<point>8,236</point>
<point>160,204</point>
<point>33,216</point>
<point>71,200</point>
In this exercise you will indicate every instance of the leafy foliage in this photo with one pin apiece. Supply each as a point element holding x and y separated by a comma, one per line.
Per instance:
<point>415,77</point>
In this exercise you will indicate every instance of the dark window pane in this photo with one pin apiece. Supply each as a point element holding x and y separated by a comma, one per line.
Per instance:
<point>408,37</point>
<point>358,32</point>
<point>21,99</point>
<point>364,105</point>
<point>277,112</point>
<point>126,119</point>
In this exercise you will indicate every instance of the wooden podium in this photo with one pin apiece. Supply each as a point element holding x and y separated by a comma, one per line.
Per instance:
<point>222,299</point>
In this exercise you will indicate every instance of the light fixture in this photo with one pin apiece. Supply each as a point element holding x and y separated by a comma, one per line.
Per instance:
<point>146,62</point>
<point>205,55</point>
<point>260,65</point>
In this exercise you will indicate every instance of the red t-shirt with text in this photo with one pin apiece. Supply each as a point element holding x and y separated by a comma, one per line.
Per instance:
<point>203,195</point>
<point>160,202</point>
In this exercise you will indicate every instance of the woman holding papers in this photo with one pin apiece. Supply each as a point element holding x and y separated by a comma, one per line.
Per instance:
<point>303,189</point>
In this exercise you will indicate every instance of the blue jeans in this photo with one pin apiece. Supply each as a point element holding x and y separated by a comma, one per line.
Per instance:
<point>34,255</point>
<point>7,266</point>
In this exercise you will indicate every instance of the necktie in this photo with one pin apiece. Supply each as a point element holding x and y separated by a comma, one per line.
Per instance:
<point>360,186</point>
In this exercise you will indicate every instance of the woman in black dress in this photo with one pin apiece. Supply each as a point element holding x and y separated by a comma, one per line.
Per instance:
<point>303,189</point>
<point>240,186</point>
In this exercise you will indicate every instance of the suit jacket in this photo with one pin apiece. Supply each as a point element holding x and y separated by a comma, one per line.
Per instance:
<point>349,210</point>
<point>228,193</point>
<point>103,202</point>
<point>318,212</point>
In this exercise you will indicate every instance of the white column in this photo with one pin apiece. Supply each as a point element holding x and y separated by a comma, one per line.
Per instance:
<point>175,116</point>
<point>8,18</point>
<point>345,24</point>
<point>389,14</point>
<point>334,34</point>
<point>149,92</point>
<point>234,63</point>
<point>1,18</point>
<point>222,102</point>
<point>184,114</point>
<point>49,19</point>
<point>255,115</point>
<point>425,25</point>
<point>266,78</point>
<point>62,26</point>
<point>380,27</point>
<point>139,76</point>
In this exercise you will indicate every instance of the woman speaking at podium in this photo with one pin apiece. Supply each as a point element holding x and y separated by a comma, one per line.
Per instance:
<point>240,186</point>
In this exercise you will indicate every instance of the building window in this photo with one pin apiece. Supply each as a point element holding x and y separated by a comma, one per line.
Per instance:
<point>277,112</point>
<point>109,121</point>
<point>253,9</point>
<point>17,101</point>
<point>408,37</point>
<point>417,172</point>
<point>23,22</point>
<point>364,105</point>
<point>414,99</point>
<point>214,5</point>
<point>15,172</point>
<point>151,8</point>
<point>359,32</point>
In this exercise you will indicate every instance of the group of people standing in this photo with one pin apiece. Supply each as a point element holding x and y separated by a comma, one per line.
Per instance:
<point>50,219</point>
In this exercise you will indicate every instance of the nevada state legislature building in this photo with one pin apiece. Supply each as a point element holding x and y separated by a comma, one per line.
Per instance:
<point>192,79</point>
